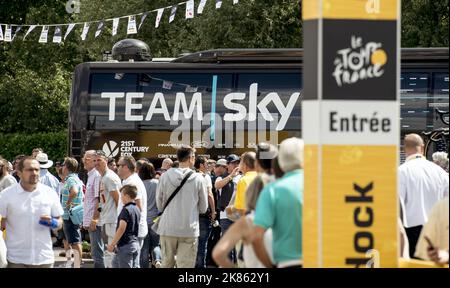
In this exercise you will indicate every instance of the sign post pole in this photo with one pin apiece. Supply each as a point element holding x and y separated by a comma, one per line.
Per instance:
<point>351,131</point>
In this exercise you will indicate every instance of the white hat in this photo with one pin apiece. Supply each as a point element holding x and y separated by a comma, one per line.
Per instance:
<point>221,162</point>
<point>44,163</point>
<point>290,154</point>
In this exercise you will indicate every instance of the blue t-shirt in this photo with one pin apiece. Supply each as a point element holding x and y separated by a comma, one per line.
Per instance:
<point>279,207</point>
<point>130,214</point>
<point>71,181</point>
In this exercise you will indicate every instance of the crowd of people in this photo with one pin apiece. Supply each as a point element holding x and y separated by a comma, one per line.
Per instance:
<point>239,211</point>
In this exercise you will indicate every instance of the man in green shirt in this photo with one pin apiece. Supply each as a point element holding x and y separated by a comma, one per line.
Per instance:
<point>279,207</point>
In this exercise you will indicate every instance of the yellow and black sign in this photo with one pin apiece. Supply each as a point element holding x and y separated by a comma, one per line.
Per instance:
<point>351,84</point>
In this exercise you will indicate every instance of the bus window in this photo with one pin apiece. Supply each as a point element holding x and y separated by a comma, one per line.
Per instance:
<point>414,102</point>
<point>440,98</point>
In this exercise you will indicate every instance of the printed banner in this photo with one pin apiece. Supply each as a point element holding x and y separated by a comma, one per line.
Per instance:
<point>100,27</point>
<point>173,12</point>
<point>132,25</point>
<point>190,9</point>
<point>158,17</point>
<point>115,26</point>
<point>57,37</point>
<point>85,31</point>
<point>8,32</point>
<point>44,34</point>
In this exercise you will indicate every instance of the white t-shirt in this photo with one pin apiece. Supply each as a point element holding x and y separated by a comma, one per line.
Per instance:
<point>422,185</point>
<point>7,181</point>
<point>3,262</point>
<point>142,195</point>
<point>29,242</point>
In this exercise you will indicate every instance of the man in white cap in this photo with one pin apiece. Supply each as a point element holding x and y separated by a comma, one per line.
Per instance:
<point>45,177</point>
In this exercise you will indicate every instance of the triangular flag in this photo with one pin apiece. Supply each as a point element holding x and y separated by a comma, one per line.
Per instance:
<point>8,32</point>
<point>99,29</point>
<point>201,6</point>
<point>69,29</point>
<point>142,20</point>
<point>29,31</point>
<point>191,89</point>
<point>85,31</point>
<point>167,85</point>
<point>17,31</point>
<point>57,37</point>
<point>44,34</point>
<point>173,12</point>
<point>115,26</point>
<point>132,25</point>
<point>190,9</point>
<point>1,33</point>
<point>158,17</point>
<point>218,4</point>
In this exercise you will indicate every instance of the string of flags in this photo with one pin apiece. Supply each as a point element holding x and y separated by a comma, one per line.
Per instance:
<point>12,30</point>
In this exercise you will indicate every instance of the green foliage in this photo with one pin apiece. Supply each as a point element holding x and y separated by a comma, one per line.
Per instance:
<point>32,102</point>
<point>53,143</point>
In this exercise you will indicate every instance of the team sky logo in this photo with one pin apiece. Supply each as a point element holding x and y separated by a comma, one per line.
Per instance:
<point>359,62</point>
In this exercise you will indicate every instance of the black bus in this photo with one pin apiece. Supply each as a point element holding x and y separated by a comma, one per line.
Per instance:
<point>221,101</point>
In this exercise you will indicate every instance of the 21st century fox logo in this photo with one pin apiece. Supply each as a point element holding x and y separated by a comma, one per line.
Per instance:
<point>359,62</point>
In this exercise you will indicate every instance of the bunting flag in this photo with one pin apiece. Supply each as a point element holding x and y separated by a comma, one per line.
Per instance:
<point>16,32</point>
<point>173,12</point>
<point>158,17</point>
<point>44,34</point>
<point>131,25</point>
<point>29,31</point>
<point>85,31</point>
<point>201,6</point>
<point>115,26</point>
<point>190,9</point>
<point>191,89</point>
<point>167,85</point>
<point>69,29</point>
<point>57,37</point>
<point>9,31</point>
<point>99,29</point>
<point>142,20</point>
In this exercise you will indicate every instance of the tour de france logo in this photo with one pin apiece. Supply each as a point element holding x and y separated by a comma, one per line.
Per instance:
<point>111,149</point>
<point>359,62</point>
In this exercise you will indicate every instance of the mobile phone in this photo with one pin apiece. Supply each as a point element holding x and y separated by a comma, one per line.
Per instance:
<point>430,245</point>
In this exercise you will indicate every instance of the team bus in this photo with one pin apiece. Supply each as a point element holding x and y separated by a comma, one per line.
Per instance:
<point>220,101</point>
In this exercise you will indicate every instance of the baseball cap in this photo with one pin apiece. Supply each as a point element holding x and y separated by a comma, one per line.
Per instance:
<point>221,162</point>
<point>233,158</point>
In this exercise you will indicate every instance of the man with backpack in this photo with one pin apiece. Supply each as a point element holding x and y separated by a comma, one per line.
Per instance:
<point>181,196</point>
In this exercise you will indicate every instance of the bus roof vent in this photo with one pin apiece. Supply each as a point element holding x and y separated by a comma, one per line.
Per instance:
<point>131,50</point>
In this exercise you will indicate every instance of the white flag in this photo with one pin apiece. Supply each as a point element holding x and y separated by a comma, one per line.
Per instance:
<point>44,34</point>
<point>57,37</point>
<point>235,2</point>
<point>190,9</point>
<point>201,6</point>
<point>29,31</point>
<point>1,33</point>
<point>69,29</point>
<point>85,31</point>
<point>158,17</point>
<point>191,89</point>
<point>218,4</point>
<point>115,26</point>
<point>99,29</point>
<point>167,85</point>
<point>8,32</point>
<point>142,20</point>
<point>173,12</point>
<point>132,25</point>
<point>17,31</point>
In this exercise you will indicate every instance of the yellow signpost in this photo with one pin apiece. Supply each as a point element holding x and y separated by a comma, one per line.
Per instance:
<point>351,132</point>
